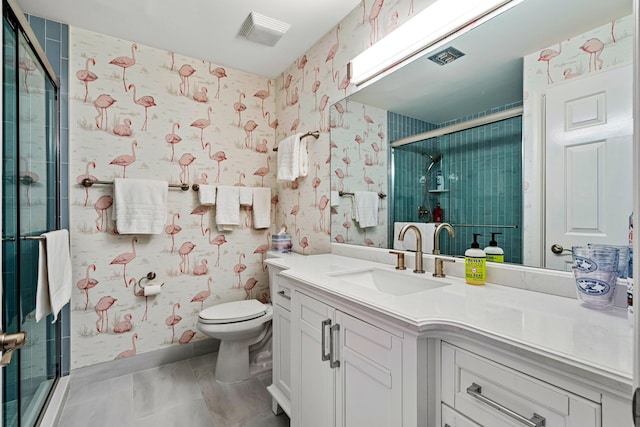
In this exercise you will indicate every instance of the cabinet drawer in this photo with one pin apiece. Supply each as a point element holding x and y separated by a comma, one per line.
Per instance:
<point>451,418</point>
<point>281,292</point>
<point>486,391</point>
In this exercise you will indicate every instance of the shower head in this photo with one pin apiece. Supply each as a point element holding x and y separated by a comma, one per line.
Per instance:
<point>434,159</point>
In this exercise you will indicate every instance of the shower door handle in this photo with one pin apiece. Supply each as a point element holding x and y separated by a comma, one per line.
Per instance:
<point>9,343</point>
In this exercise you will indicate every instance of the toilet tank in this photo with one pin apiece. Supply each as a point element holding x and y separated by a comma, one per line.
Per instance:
<point>409,244</point>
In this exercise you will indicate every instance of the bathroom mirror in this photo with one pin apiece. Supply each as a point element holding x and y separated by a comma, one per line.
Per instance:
<point>556,171</point>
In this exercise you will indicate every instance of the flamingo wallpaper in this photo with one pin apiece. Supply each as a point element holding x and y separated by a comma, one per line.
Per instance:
<point>136,112</point>
<point>596,50</point>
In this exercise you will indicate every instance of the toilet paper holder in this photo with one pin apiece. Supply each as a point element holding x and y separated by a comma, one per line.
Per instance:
<point>149,277</point>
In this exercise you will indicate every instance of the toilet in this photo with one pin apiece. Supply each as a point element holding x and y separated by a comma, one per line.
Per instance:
<point>238,325</point>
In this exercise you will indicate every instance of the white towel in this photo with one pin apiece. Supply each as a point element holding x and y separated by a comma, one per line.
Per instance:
<point>261,207</point>
<point>303,159</point>
<point>227,207</point>
<point>366,203</point>
<point>246,196</point>
<point>140,205</point>
<point>335,199</point>
<point>54,285</point>
<point>207,194</point>
<point>289,158</point>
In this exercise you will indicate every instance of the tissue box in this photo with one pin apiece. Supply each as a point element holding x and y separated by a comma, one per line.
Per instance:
<point>281,242</point>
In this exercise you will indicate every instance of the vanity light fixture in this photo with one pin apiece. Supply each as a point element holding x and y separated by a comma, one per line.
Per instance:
<point>262,29</point>
<point>426,31</point>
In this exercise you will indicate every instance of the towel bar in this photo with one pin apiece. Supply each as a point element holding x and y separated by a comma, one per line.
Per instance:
<point>89,182</point>
<point>343,193</point>
<point>315,134</point>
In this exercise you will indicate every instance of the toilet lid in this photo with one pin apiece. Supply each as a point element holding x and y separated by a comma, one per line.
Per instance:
<point>236,311</point>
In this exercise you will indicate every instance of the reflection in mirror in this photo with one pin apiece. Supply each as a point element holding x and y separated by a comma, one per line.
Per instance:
<point>558,173</point>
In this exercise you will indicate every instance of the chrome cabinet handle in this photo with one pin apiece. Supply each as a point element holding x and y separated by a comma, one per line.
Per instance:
<point>333,363</point>
<point>324,355</point>
<point>283,295</point>
<point>535,421</point>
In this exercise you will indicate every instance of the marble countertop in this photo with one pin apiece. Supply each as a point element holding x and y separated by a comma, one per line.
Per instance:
<point>556,328</point>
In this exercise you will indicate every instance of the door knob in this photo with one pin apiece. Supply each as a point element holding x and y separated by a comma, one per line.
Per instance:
<point>9,343</point>
<point>558,249</point>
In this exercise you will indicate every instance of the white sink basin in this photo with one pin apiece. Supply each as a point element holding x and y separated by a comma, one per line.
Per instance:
<point>389,282</point>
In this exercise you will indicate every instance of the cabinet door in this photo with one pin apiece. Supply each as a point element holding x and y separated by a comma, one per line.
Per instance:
<point>369,383</point>
<point>312,381</point>
<point>451,418</point>
<point>282,357</point>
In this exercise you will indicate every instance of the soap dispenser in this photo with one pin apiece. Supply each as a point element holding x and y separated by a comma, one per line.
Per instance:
<point>475,263</point>
<point>494,252</point>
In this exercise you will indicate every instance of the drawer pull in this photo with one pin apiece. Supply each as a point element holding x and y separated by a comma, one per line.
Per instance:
<point>333,362</point>
<point>283,295</point>
<point>325,356</point>
<point>536,421</point>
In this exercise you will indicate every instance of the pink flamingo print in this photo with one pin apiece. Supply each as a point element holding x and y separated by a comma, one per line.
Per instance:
<point>184,162</point>
<point>373,20</point>
<point>262,250</point>
<point>185,72</point>
<point>346,224</point>
<point>263,94</point>
<point>322,206</point>
<point>202,296</point>
<point>294,97</point>
<point>410,8</point>
<point>262,147</point>
<point>594,48</point>
<point>218,240</point>
<point>239,268</point>
<point>140,293</point>
<point>28,66</point>
<point>262,172</point>
<point>172,138</point>
<point>202,124</point>
<point>249,127</point>
<point>274,125</point>
<point>344,85</point>
<point>101,103</point>
<point>123,129</point>
<point>296,122</point>
<point>123,326</point>
<point>201,95</point>
<point>173,320</point>
<point>339,238</point>
<point>240,107</point>
<point>201,269</point>
<point>287,85</point>
<point>173,229</point>
<point>340,110</point>
<point>84,176</point>
<point>323,104</point>
<point>613,34</point>
<point>101,308</point>
<point>201,210</point>
<point>302,62</point>
<point>315,184</point>
<point>144,101</point>
<point>219,157</point>
<point>340,174</point>
<point>173,60</point>
<point>87,76</point>
<point>184,251</point>
<point>101,206</point>
<point>547,55</point>
<point>367,179</point>
<point>368,161</point>
<point>248,287</point>
<point>203,180</point>
<point>241,176</point>
<point>294,211</point>
<point>125,62</point>
<point>218,73</point>
<point>376,151</point>
<point>314,88</point>
<point>367,118</point>
<point>129,353</point>
<point>303,242</point>
<point>86,284</point>
<point>186,336</point>
<point>126,159</point>
<point>331,55</point>
<point>346,160</point>
<point>125,258</point>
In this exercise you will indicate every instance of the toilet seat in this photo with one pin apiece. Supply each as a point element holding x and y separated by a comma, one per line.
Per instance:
<point>232,312</point>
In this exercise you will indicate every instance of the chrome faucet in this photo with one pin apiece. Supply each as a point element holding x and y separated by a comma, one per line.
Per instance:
<point>404,229</point>
<point>436,236</point>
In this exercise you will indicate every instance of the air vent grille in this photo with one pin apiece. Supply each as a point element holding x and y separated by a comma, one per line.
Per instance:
<point>446,56</point>
<point>262,29</point>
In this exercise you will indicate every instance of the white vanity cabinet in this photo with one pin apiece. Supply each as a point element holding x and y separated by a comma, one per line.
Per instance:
<point>345,372</point>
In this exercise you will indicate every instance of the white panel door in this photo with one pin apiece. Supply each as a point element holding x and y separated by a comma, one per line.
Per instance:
<point>589,162</point>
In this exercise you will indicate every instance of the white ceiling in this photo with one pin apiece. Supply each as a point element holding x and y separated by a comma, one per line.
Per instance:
<point>203,29</point>
<point>490,73</point>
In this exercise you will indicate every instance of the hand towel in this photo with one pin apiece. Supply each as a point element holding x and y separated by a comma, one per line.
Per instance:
<point>246,196</point>
<point>207,194</point>
<point>288,166</point>
<point>227,207</point>
<point>335,199</point>
<point>140,205</point>
<point>261,207</point>
<point>303,159</point>
<point>54,285</point>
<point>366,203</point>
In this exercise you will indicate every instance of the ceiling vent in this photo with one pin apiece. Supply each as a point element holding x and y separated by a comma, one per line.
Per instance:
<point>262,29</point>
<point>446,56</point>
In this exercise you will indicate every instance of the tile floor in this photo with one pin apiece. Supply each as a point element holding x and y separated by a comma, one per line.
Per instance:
<point>181,394</point>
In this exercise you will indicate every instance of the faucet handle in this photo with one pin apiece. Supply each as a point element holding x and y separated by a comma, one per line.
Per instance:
<point>400,261</point>
<point>439,266</point>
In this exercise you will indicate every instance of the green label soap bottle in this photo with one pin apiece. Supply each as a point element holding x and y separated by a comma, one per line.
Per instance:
<point>494,252</point>
<point>475,263</point>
